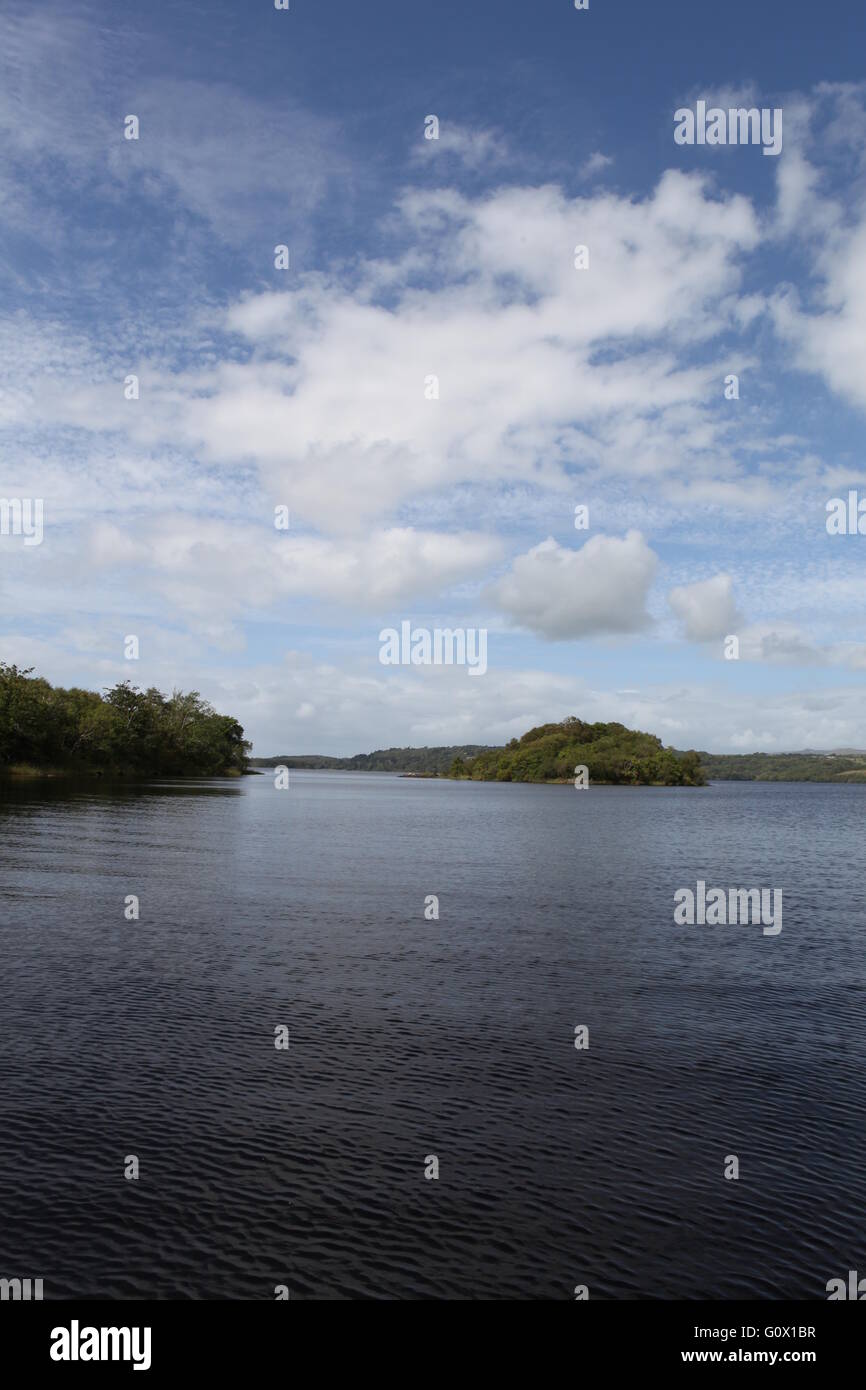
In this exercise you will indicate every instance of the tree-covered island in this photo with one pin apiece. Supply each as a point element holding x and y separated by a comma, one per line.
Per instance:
<point>611,753</point>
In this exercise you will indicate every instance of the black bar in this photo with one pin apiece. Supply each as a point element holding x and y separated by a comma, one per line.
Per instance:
<point>225,1338</point>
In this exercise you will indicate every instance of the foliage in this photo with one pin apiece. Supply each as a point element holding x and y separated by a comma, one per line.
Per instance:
<point>611,752</point>
<point>125,729</point>
<point>418,760</point>
<point>785,767</point>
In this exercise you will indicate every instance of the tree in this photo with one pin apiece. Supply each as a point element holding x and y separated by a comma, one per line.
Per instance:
<point>124,729</point>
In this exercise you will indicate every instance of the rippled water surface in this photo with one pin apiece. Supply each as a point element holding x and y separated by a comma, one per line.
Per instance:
<point>412,1038</point>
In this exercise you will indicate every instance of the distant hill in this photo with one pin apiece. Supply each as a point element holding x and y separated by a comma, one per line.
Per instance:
<point>417,760</point>
<point>834,752</point>
<point>611,752</point>
<point>549,753</point>
<point>785,767</point>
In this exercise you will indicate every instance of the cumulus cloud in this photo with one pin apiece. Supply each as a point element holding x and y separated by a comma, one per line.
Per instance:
<point>707,609</point>
<point>192,560</point>
<point>561,594</point>
<point>498,369</point>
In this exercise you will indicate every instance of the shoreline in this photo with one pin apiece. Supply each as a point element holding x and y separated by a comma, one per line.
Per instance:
<point>27,772</point>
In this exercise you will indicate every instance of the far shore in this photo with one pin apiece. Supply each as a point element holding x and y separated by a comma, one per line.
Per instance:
<point>26,772</point>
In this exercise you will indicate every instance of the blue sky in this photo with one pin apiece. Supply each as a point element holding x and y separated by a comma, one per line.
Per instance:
<point>454,257</point>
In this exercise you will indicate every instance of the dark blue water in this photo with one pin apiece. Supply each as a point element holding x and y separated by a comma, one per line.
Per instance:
<point>411,1038</point>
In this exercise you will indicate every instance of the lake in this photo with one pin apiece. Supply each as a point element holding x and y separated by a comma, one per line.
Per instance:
<point>412,1038</point>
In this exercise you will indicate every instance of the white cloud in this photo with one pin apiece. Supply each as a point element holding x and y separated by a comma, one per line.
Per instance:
<point>785,644</point>
<point>707,609</point>
<point>473,147</point>
<point>595,163</point>
<point>825,322</point>
<point>562,594</point>
<point>194,560</point>
<point>831,338</point>
<point>333,405</point>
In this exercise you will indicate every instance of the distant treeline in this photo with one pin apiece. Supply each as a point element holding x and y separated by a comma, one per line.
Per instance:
<point>610,752</point>
<point>418,760</point>
<point>549,753</point>
<point>124,730</point>
<point>785,767</point>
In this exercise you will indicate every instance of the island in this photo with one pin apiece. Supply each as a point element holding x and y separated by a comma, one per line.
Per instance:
<point>611,754</point>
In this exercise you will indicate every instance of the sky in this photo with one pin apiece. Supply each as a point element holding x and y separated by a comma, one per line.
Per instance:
<point>433,385</point>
